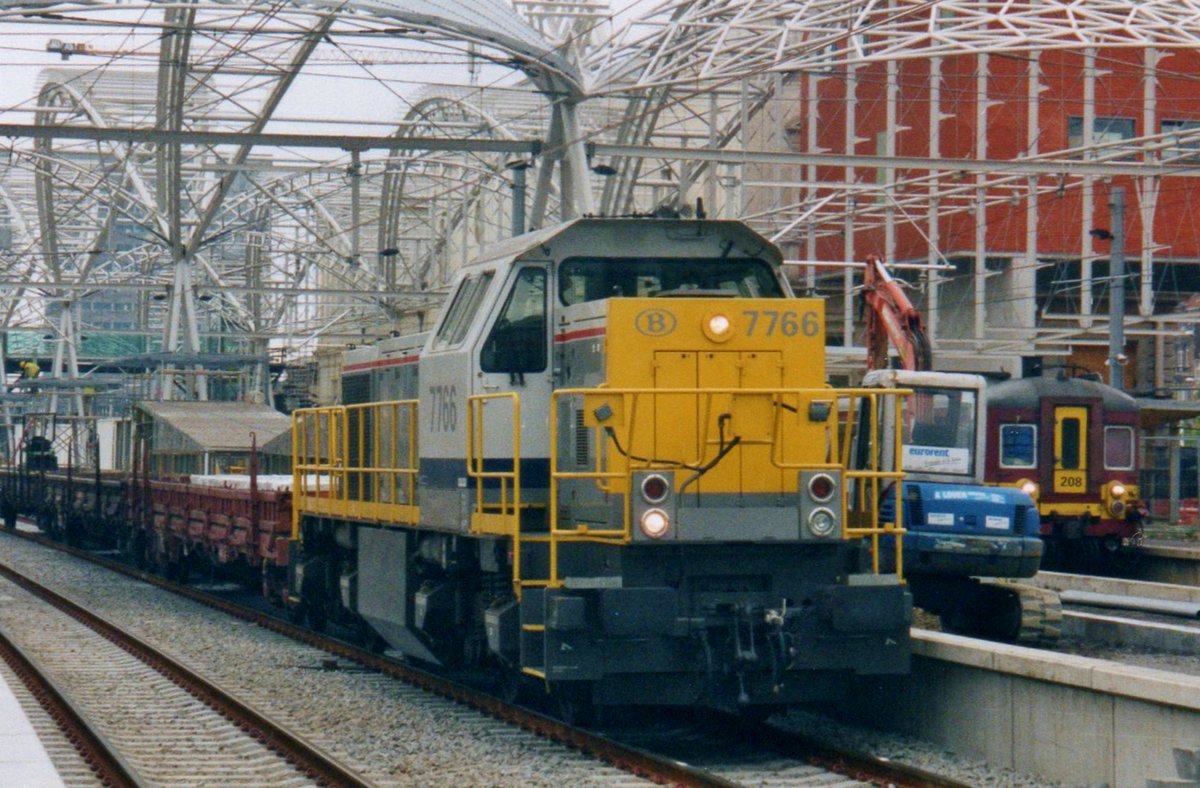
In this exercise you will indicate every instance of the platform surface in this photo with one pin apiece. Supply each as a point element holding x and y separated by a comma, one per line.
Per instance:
<point>23,759</point>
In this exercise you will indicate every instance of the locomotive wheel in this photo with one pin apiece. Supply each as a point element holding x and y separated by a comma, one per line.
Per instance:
<point>514,687</point>
<point>45,521</point>
<point>317,616</point>
<point>573,704</point>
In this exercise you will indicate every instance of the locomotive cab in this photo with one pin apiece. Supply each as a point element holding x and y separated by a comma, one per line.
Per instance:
<point>957,526</point>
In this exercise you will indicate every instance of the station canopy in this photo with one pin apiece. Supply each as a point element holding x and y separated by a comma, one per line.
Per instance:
<point>212,427</point>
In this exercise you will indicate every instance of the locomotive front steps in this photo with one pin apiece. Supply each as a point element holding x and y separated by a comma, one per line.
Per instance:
<point>533,632</point>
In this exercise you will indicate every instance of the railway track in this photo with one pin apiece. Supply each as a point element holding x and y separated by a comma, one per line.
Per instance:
<point>146,718</point>
<point>723,754</point>
<point>72,746</point>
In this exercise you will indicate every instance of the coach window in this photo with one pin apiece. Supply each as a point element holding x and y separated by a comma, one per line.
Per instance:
<point>1070,444</point>
<point>462,309</point>
<point>517,343</point>
<point>1118,448</point>
<point>1018,446</point>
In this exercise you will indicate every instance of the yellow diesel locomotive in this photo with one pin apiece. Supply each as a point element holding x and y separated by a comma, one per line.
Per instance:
<point>613,471</point>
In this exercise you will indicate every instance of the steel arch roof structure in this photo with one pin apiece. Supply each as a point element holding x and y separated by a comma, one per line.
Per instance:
<point>687,44</point>
<point>220,65</point>
<point>486,22</point>
<point>672,100</point>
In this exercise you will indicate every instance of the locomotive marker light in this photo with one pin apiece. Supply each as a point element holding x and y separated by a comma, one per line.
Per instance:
<point>820,517</point>
<point>655,489</point>
<point>821,488</point>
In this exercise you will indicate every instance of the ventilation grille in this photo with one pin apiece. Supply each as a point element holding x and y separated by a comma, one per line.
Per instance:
<point>583,454</point>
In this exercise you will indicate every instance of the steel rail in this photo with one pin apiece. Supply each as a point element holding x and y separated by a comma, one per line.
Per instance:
<point>305,756</point>
<point>103,758</point>
<point>623,756</point>
<point>849,763</point>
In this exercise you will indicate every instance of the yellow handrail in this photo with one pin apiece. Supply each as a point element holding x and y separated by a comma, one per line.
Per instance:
<point>376,482</point>
<point>868,489</point>
<point>507,510</point>
<point>348,460</point>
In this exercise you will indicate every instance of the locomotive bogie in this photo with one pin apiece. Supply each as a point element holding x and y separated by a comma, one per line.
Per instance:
<point>661,624</point>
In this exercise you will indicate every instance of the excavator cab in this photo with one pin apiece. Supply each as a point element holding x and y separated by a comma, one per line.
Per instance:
<point>958,528</point>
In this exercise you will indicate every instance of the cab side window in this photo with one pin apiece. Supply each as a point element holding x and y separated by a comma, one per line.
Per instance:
<point>461,312</point>
<point>517,343</point>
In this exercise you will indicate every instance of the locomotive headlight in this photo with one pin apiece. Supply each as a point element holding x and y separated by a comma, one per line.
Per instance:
<point>718,327</point>
<point>821,522</point>
<point>655,523</point>
<point>1029,487</point>
<point>655,489</point>
<point>1117,490</point>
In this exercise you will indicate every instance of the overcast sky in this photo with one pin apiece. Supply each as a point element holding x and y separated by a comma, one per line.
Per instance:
<point>377,94</point>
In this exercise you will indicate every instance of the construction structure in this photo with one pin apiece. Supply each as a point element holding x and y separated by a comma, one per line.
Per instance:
<point>183,185</point>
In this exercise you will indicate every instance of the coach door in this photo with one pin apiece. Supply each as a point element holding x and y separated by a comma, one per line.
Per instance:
<point>1070,448</point>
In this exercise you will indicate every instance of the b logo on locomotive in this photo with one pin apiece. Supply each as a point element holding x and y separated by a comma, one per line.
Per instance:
<point>655,322</point>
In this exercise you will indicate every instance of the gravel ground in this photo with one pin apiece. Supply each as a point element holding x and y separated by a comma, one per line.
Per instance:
<point>905,749</point>
<point>1133,655</point>
<point>402,736</point>
<point>408,736</point>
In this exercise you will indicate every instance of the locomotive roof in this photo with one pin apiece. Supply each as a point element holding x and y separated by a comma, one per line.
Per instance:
<point>1026,392</point>
<point>517,246</point>
<point>216,426</point>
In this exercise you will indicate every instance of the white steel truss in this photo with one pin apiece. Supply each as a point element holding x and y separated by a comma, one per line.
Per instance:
<point>691,100</point>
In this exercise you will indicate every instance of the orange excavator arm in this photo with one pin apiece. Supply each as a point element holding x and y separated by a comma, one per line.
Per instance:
<point>891,317</point>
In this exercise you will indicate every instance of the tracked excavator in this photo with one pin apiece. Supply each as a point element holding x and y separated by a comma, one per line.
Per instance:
<point>966,542</point>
